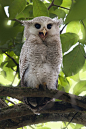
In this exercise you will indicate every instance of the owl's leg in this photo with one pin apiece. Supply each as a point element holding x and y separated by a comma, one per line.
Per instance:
<point>53,85</point>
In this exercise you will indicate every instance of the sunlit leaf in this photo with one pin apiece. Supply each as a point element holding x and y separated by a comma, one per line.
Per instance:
<point>78,126</point>
<point>9,73</point>
<point>76,27</point>
<point>76,77</point>
<point>43,128</point>
<point>63,84</point>
<point>1,58</point>
<point>79,87</point>
<point>66,3</point>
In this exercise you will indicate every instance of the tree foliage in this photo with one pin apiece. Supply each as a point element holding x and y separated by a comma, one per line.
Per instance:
<point>72,78</point>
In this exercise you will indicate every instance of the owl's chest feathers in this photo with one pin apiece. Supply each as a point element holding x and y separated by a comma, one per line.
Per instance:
<point>43,54</point>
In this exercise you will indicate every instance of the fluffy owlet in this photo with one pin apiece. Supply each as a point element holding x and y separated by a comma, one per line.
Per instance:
<point>40,57</point>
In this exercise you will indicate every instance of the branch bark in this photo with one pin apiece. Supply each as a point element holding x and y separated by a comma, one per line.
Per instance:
<point>19,93</point>
<point>80,118</point>
<point>19,110</point>
<point>20,115</point>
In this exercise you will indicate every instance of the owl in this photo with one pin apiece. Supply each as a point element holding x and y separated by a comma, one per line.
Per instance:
<point>40,57</point>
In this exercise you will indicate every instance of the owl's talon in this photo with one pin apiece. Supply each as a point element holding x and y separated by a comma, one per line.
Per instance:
<point>37,86</point>
<point>44,84</point>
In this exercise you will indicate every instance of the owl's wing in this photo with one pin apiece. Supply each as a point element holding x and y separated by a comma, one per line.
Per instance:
<point>23,61</point>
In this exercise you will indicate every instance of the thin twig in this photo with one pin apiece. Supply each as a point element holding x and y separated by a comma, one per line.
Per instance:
<point>51,5</point>
<point>61,7</point>
<point>14,77</point>
<point>63,28</point>
<point>10,101</point>
<point>31,127</point>
<point>71,120</point>
<point>11,59</point>
<point>17,20</point>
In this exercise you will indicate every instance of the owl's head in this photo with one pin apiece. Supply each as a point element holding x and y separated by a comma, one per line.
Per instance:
<point>43,27</point>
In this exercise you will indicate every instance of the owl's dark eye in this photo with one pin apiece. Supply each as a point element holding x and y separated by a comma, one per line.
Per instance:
<point>49,26</point>
<point>38,26</point>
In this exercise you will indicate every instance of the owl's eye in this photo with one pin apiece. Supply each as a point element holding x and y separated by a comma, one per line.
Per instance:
<point>49,26</point>
<point>38,26</point>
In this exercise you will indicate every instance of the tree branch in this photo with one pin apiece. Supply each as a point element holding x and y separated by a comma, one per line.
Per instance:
<point>80,118</point>
<point>19,93</point>
<point>19,110</point>
<point>52,4</point>
<point>20,115</point>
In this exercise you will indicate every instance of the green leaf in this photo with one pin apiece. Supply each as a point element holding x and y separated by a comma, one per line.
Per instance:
<point>16,7</point>
<point>1,58</point>
<point>10,64</point>
<point>75,27</point>
<point>73,61</point>
<point>39,8</point>
<point>43,128</point>
<point>9,73</point>
<point>60,13</point>
<point>76,77</point>
<point>78,126</point>
<point>66,3</point>
<point>6,2</point>
<point>26,13</point>
<point>84,67</point>
<point>17,48</point>
<point>67,40</point>
<point>58,2</point>
<point>9,33</point>
<point>64,84</point>
<point>79,87</point>
<point>77,12</point>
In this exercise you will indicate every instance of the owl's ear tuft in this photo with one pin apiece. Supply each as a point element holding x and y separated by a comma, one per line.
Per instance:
<point>26,22</point>
<point>58,21</point>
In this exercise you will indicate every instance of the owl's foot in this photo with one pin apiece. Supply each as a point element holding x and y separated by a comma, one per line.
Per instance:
<point>37,86</point>
<point>42,86</point>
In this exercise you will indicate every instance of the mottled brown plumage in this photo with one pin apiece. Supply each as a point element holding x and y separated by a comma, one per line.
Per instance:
<point>41,56</point>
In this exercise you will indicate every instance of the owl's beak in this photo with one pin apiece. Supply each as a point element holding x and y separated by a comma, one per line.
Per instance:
<point>43,34</point>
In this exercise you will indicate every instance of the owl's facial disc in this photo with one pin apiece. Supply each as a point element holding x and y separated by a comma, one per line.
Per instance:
<point>43,34</point>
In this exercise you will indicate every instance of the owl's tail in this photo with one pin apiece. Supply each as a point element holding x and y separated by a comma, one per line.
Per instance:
<point>36,103</point>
